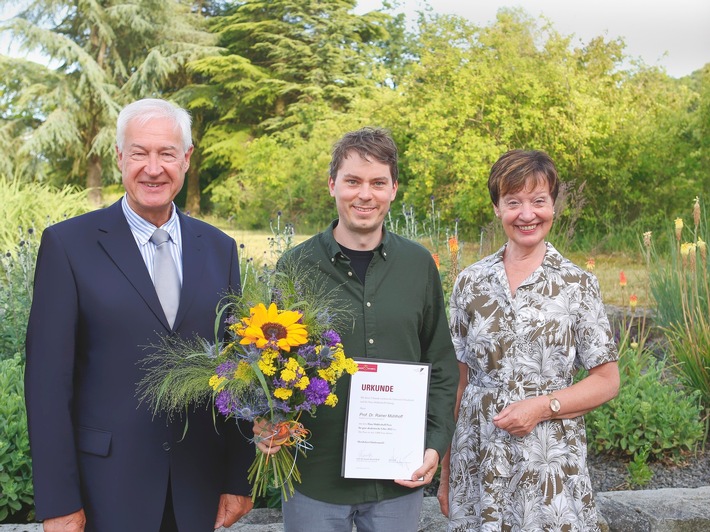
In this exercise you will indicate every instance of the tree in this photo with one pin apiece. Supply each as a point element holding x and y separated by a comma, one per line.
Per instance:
<point>100,56</point>
<point>285,59</point>
<point>480,91</point>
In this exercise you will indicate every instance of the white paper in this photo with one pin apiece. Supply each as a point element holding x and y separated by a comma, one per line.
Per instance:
<point>385,429</point>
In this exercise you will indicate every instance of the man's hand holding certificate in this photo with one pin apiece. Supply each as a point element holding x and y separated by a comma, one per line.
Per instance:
<point>386,420</point>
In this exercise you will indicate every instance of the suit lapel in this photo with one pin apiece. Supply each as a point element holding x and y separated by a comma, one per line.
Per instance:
<point>117,240</point>
<point>193,263</point>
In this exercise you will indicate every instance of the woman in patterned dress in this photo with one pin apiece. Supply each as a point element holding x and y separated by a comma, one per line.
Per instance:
<point>524,320</point>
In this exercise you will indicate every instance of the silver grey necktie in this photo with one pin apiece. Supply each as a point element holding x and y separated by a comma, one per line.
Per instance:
<point>165,275</point>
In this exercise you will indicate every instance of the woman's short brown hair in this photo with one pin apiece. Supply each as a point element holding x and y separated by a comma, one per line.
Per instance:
<point>514,170</point>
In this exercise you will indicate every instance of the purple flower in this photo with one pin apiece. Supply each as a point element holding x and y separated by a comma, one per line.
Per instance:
<point>225,402</point>
<point>331,337</point>
<point>247,405</point>
<point>308,353</point>
<point>226,369</point>
<point>317,391</point>
<point>283,406</point>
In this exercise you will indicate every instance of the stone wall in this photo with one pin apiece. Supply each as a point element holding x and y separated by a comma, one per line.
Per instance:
<point>663,510</point>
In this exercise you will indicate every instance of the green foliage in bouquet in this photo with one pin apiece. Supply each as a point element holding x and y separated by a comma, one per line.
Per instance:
<point>281,357</point>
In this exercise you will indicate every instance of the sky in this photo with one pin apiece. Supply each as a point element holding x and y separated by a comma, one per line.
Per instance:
<point>673,34</point>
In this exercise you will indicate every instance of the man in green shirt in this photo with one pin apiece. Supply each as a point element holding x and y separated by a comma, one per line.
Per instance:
<point>392,287</point>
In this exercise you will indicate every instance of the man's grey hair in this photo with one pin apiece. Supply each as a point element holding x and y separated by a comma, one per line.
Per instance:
<point>142,111</point>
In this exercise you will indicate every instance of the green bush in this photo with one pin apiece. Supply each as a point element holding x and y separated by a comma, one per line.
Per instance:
<point>16,494</point>
<point>16,276</point>
<point>651,417</point>
<point>26,205</point>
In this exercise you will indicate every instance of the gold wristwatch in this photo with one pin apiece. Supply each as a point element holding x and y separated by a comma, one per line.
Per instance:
<point>554,404</point>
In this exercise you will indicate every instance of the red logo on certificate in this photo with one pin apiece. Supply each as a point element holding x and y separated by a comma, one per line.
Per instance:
<point>367,368</point>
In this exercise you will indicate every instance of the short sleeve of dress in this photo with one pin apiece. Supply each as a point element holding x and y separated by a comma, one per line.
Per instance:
<point>459,319</point>
<point>594,339</point>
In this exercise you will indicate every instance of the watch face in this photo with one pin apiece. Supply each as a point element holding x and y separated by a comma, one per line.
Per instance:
<point>554,405</point>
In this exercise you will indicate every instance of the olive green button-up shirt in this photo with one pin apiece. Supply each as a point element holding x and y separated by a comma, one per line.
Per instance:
<point>398,313</point>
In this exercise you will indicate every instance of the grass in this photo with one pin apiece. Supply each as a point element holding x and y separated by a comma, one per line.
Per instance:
<point>607,267</point>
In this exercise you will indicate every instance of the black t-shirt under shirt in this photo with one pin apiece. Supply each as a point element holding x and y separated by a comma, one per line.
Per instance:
<point>359,260</point>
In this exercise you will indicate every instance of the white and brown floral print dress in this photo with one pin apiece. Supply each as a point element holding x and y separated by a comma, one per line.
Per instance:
<point>519,347</point>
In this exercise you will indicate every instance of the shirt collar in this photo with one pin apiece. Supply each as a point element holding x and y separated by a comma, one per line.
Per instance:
<point>553,258</point>
<point>143,229</point>
<point>334,251</point>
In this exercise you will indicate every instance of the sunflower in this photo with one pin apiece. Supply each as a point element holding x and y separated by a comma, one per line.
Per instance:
<point>279,328</point>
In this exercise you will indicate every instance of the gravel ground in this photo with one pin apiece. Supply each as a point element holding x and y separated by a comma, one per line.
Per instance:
<point>611,474</point>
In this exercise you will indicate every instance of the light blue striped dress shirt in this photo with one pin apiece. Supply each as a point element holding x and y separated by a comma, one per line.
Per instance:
<point>142,231</point>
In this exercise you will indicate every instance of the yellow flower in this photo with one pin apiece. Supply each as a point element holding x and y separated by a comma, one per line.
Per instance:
<point>633,301</point>
<point>303,383</point>
<point>216,381</point>
<point>590,265</point>
<point>283,393</point>
<point>685,249</point>
<point>678,227</point>
<point>696,212</point>
<point>292,370</point>
<point>266,362</point>
<point>350,366</point>
<point>622,279</point>
<point>288,375</point>
<point>453,245</point>
<point>328,374</point>
<point>278,328</point>
<point>331,400</point>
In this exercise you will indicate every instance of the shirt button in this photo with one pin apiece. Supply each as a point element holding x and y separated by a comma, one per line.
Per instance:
<point>350,274</point>
<point>371,341</point>
<point>368,304</point>
<point>166,446</point>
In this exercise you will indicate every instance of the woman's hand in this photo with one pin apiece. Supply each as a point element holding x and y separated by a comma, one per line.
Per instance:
<point>520,418</point>
<point>601,385</point>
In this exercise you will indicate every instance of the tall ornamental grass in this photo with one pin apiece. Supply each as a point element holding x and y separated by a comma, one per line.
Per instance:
<point>681,288</point>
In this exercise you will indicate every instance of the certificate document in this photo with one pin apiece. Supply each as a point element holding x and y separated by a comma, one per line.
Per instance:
<point>385,426</point>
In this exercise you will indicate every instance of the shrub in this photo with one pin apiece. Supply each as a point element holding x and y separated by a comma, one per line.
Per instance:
<point>27,205</point>
<point>16,276</point>
<point>16,494</point>
<point>651,417</point>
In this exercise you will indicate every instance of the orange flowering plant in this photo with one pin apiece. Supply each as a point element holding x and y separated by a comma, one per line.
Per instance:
<point>281,357</point>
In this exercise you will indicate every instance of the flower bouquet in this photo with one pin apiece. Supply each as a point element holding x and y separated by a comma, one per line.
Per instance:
<point>281,357</point>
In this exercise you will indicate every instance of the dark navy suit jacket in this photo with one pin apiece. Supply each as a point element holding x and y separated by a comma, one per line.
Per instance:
<point>93,446</point>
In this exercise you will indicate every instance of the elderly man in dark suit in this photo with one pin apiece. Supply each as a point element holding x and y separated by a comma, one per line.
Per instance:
<point>101,461</point>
